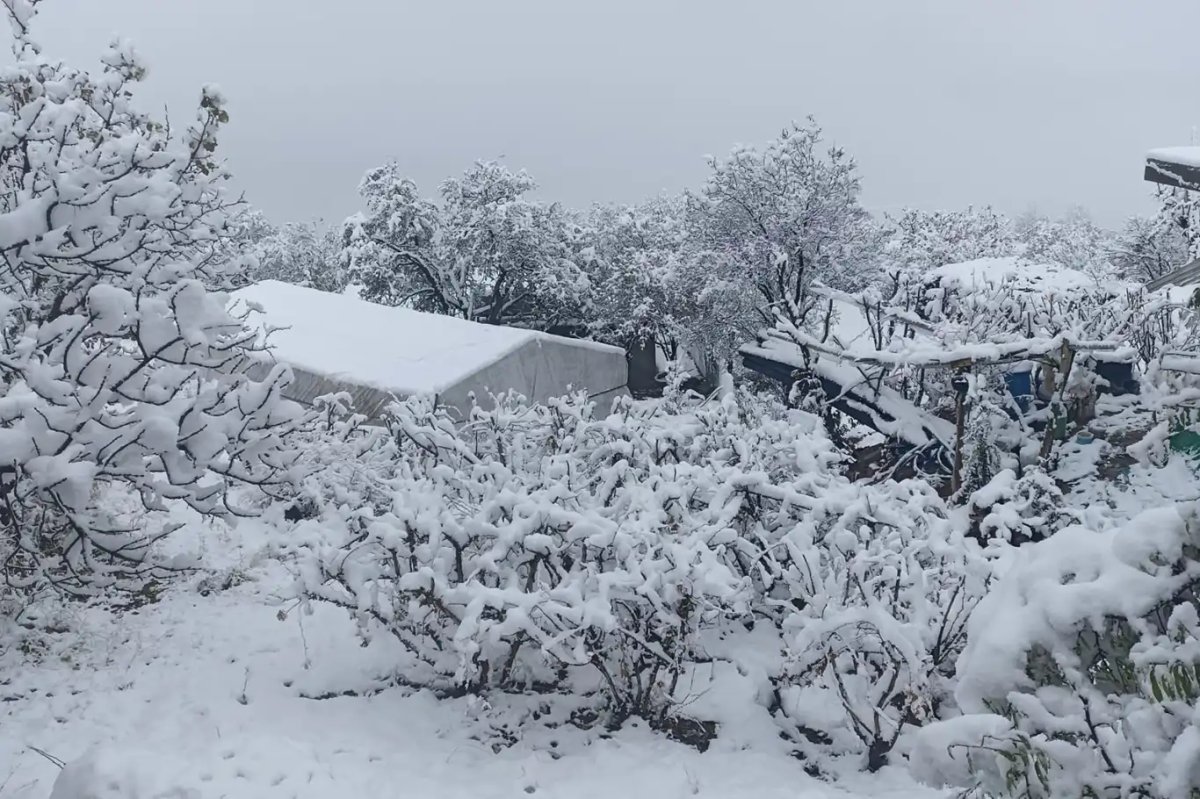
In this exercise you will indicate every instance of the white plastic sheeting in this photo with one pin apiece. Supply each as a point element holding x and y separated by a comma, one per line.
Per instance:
<point>336,342</point>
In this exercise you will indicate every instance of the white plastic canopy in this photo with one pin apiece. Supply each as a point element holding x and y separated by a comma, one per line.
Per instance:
<point>337,342</point>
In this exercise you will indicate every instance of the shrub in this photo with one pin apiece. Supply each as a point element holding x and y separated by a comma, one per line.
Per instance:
<point>1080,673</point>
<point>532,542</point>
<point>879,587</point>
<point>537,547</point>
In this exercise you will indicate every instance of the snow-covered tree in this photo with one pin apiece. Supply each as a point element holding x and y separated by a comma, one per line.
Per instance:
<point>1073,241</point>
<point>1179,209</point>
<point>921,240</point>
<point>650,282</point>
<point>249,228</point>
<point>1150,247</point>
<point>785,216</point>
<point>633,259</point>
<point>120,365</point>
<point>484,252</point>
<point>307,254</point>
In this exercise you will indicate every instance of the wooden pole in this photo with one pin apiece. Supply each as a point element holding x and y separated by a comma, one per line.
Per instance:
<point>1056,387</point>
<point>959,383</point>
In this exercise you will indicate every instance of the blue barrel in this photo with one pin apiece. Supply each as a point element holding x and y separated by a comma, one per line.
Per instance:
<point>1020,386</point>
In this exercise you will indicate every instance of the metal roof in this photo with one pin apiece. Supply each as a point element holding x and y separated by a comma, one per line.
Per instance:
<point>1185,275</point>
<point>1168,169</point>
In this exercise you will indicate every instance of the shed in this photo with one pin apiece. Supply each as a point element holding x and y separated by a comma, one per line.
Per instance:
<point>338,342</point>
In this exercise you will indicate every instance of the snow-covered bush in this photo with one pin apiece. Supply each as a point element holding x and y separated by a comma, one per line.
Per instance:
<point>121,370</point>
<point>340,460</point>
<point>536,547</point>
<point>876,589</point>
<point>1020,509</point>
<point>534,541</point>
<point>1080,675</point>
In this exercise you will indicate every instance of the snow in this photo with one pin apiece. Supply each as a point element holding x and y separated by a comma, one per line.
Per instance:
<point>1184,156</point>
<point>340,336</point>
<point>1180,295</point>
<point>686,561</point>
<point>937,753</point>
<point>1025,273</point>
<point>1075,574</point>
<point>850,329</point>
<point>205,696</point>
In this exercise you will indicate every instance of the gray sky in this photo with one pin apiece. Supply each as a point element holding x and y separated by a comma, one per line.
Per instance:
<point>944,103</point>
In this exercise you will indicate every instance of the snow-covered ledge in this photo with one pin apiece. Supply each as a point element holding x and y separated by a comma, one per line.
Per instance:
<point>1174,166</point>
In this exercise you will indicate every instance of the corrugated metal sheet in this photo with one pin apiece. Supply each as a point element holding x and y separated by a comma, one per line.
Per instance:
<point>1185,275</point>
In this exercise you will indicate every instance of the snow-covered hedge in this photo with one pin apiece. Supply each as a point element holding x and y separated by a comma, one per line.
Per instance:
<point>535,540</point>
<point>536,547</point>
<point>1081,673</point>
<point>881,585</point>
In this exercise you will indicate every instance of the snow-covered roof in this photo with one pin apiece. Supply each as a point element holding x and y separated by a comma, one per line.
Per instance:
<point>1184,156</point>
<point>1185,277</point>
<point>342,337</point>
<point>850,333</point>
<point>1020,272</point>
<point>1174,166</point>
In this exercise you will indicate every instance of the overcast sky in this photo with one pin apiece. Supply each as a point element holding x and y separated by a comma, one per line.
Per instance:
<point>944,103</point>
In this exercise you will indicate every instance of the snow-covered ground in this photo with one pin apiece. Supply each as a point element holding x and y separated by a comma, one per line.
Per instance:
<point>212,696</point>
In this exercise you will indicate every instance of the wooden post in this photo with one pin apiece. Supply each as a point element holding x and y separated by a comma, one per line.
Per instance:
<point>1055,389</point>
<point>959,383</point>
